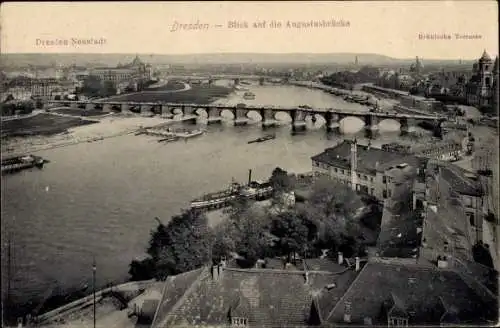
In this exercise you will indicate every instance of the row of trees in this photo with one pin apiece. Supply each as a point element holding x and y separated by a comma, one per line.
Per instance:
<point>325,220</point>
<point>10,107</point>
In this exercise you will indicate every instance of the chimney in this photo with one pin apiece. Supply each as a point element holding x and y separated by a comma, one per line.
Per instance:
<point>249,176</point>
<point>341,258</point>
<point>354,164</point>
<point>357,263</point>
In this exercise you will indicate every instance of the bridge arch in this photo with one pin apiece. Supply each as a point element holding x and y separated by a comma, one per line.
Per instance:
<point>389,124</point>
<point>254,115</point>
<point>228,114</point>
<point>177,110</point>
<point>201,112</point>
<point>316,119</point>
<point>116,108</point>
<point>282,116</point>
<point>351,124</point>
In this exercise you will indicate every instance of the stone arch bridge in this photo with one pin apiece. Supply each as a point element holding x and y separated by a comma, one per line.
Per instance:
<point>213,113</point>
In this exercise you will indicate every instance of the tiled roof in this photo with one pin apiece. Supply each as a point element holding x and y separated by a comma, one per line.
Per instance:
<point>174,289</point>
<point>265,297</point>
<point>275,299</point>
<point>377,284</point>
<point>340,156</point>
<point>457,178</point>
<point>445,225</point>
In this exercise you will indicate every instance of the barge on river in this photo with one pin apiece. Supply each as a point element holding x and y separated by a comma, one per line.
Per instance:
<point>19,163</point>
<point>255,190</point>
<point>264,138</point>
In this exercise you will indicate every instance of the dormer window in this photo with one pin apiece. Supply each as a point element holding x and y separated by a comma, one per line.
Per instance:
<point>398,322</point>
<point>239,322</point>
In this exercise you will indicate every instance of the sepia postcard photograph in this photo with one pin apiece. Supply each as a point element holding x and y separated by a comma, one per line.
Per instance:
<point>260,164</point>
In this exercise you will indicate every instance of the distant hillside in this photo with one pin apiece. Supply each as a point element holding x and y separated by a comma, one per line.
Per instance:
<point>22,60</point>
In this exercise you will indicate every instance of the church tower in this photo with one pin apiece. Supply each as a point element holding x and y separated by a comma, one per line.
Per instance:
<point>354,164</point>
<point>356,61</point>
<point>485,74</point>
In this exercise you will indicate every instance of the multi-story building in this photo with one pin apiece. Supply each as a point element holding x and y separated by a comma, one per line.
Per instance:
<point>364,168</point>
<point>479,91</point>
<point>134,70</point>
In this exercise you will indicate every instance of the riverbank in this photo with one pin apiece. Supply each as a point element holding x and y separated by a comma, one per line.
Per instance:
<point>108,127</point>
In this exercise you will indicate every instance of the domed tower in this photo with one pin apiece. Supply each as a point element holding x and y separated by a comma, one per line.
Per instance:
<point>485,74</point>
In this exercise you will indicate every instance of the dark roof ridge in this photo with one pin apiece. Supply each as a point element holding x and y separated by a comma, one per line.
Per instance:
<point>281,271</point>
<point>348,290</point>
<point>398,262</point>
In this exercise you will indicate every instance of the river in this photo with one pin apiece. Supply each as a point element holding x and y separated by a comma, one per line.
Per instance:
<point>100,199</point>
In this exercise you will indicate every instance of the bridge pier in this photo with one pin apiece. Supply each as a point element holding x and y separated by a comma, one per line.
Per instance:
<point>166,112</point>
<point>371,122</point>
<point>146,110</point>
<point>240,117</point>
<point>89,106</point>
<point>333,121</point>
<point>74,104</point>
<point>268,120</point>
<point>189,115</point>
<point>214,115</point>
<point>298,120</point>
<point>125,108</point>
<point>106,108</point>
<point>405,124</point>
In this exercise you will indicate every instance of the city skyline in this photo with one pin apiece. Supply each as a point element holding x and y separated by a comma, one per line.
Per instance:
<point>396,28</point>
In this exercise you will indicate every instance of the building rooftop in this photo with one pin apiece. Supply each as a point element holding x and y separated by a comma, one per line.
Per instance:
<point>266,297</point>
<point>413,291</point>
<point>368,157</point>
<point>461,180</point>
<point>445,224</point>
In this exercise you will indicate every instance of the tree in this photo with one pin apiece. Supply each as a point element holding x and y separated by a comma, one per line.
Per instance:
<point>108,89</point>
<point>332,207</point>
<point>181,245</point>
<point>91,86</point>
<point>142,270</point>
<point>280,181</point>
<point>243,232</point>
<point>292,230</point>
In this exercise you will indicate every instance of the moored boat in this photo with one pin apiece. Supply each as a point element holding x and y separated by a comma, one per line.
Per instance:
<point>249,95</point>
<point>169,139</point>
<point>264,138</point>
<point>220,199</point>
<point>15,164</point>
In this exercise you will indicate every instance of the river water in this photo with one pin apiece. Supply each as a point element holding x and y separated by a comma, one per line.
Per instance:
<point>100,199</point>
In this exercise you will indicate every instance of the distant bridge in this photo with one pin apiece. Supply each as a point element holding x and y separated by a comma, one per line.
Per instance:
<point>332,116</point>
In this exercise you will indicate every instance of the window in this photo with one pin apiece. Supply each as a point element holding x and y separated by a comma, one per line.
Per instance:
<point>371,179</point>
<point>239,322</point>
<point>384,179</point>
<point>398,322</point>
<point>343,172</point>
<point>471,219</point>
<point>384,193</point>
<point>336,170</point>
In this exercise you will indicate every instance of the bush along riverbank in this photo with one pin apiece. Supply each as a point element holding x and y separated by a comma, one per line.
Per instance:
<point>326,219</point>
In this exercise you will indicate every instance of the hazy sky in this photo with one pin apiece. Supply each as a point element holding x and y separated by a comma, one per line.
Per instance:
<point>386,27</point>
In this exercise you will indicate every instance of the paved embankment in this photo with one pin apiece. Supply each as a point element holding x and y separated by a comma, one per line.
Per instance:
<point>134,288</point>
